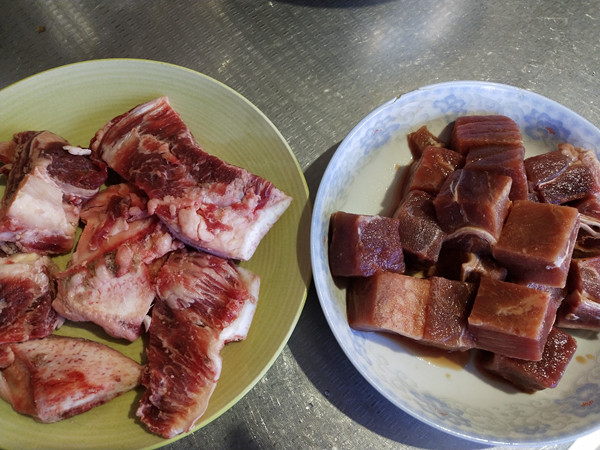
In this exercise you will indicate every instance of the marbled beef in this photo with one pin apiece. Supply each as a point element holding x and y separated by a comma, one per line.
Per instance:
<point>205,202</point>
<point>47,184</point>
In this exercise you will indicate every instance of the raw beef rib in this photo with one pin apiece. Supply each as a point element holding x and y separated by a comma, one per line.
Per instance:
<point>203,302</point>
<point>58,377</point>
<point>205,202</point>
<point>48,181</point>
<point>110,278</point>
<point>26,293</point>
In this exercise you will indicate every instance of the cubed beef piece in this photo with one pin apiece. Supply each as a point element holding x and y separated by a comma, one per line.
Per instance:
<point>471,132</point>
<point>361,245</point>
<point>579,180</point>
<point>433,167</point>
<point>589,206</point>
<point>537,242</point>
<point>503,160</point>
<point>545,167</point>
<point>579,312</point>
<point>531,376</point>
<point>389,302</point>
<point>420,234</point>
<point>447,312</point>
<point>588,237</point>
<point>581,308</point>
<point>511,320</point>
<point>472,198</point>
<point>584,276</point>
<point>420,139</point>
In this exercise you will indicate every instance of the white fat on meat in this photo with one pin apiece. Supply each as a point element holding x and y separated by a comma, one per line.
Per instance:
<point>37,204</point>
<point>45,189</point>
<point>58,377</point>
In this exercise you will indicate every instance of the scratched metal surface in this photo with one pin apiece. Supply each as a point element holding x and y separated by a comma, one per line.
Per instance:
<point>315,69</point>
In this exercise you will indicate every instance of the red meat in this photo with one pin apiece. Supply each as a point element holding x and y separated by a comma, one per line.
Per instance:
<point>205,202</point>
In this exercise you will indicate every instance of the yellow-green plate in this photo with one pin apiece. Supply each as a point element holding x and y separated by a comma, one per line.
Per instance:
<point>74,101</point>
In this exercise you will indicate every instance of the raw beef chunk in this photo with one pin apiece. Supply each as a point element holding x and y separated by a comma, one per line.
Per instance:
<point>537,242</point>
<point>184,365</point>
<point>579,179</point>
<point>446,315</point>
<point>203,302</point>
<point>47,184</point>
<point>531,376</point>
<point>420,234</point>
<point>389,302</point>
<point>474,203</point>
<point>578,311</point>
<point>581,308</point>
<point>545,167</point>
<point>511,320</point>
<point>584,276</point>
<point>421,139</point>
<point>471,132</point>
<point>430,171</point>
<point>502,160</point>
<point>26,293</point>
<point>58,377</point>
<point>213,291</point>
<point>361,245</point>
<point>110,278</point>
<point>588,239</point>
<point>205,202</point>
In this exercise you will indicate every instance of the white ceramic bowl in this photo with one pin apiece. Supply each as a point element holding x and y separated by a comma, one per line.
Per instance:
<point>362,177</point>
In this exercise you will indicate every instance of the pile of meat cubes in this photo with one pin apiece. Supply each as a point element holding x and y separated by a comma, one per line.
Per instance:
<point>487,250</point>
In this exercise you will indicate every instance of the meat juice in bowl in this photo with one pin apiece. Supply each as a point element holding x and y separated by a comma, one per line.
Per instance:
<point>364,177</point>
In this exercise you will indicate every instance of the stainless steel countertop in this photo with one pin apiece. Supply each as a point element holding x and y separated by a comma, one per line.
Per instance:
<point>315,68</point>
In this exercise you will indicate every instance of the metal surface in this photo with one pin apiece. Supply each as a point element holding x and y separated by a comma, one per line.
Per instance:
<point>315,69</point>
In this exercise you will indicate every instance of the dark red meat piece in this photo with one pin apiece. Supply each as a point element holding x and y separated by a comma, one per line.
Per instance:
<point>420,139</point>
<point>580,179</point>
<point>544,167</point>
<point>581,308</point>
<point>361,245</point>
<point>430,171</point>
<point>502,160</point>
<point>471,132</point>
<point>531,376</point>
<point>420,234</point>
<point>474,199</point>
<point>448,309</point>
<point>389,302</point>
<point>537,242</point>
<point>511,320</point>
